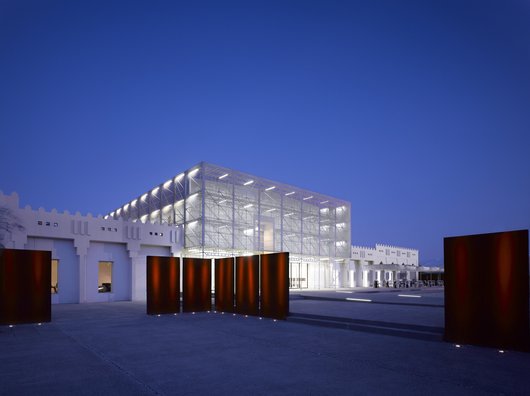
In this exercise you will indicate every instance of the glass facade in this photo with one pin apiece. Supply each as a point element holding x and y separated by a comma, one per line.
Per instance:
<point>227,213</point>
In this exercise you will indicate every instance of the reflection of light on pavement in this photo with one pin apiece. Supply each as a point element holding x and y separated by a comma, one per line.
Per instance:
<point>359,299</point>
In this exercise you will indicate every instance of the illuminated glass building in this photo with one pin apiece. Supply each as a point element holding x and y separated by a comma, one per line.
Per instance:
<point>223,212</point>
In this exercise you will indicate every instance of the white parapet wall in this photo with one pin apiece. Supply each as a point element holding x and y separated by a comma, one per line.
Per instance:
<point>80,243</point>
<point>385,264</point>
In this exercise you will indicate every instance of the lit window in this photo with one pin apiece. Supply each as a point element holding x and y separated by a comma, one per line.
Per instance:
<point>55,283</point>
<point>105,277</point>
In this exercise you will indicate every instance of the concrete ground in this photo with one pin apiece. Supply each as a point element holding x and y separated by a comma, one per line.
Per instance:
<point>328,346</point>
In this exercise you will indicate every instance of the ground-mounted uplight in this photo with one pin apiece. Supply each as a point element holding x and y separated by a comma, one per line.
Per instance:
<point>158,315</point>
<point>39,324</point>
<point>501,350</point>
<point>458,346</point>
<point>11,326</point>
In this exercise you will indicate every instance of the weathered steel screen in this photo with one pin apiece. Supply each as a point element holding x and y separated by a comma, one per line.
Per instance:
<point>163,285</point>
<point>224,284</point>
<point>274,285</point>
<point>197,283</point>
<point>247,285</point>
<point>486,290</point>
<point>25,286</point>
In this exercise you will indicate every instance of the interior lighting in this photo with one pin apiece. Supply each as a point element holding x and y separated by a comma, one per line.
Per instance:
<point>323,202</point>
<point>409,295</point>
<point>167,184</point>
<point>306,198</point>
<point>289,193</point>
<point>248,206</point>
<point>270,188</point>
<point>359,299</point>
<point>178,177</point>
<point>223,176</point>
<point>248,183</point>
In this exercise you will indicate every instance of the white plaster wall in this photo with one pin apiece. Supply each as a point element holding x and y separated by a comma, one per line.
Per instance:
<point>139,292</point>
<point>80,242</point>
<point>121,272</point>
<point>68,270</point>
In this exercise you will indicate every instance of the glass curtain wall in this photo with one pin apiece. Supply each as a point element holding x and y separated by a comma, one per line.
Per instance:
<point>227,213</point>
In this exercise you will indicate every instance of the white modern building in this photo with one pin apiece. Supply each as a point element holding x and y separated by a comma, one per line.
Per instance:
<point>384,264</point>
<point>93,259</point>
<point>223,212</point>
<point>206,211</point>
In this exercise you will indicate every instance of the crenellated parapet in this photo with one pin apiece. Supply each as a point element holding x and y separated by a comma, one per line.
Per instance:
<point>83,229</point>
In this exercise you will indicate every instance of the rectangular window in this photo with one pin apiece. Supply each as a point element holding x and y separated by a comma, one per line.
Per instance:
<point>105,277</point>
<point>55,272</point>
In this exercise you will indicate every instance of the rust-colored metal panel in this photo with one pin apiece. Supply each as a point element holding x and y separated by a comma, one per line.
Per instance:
<point>274,285</point>
<point>224,284</point>
<point>197,293</point>
<point>247,285</point>
<point>163,285</point>
<point>25,286</point>
<point>486,290</point>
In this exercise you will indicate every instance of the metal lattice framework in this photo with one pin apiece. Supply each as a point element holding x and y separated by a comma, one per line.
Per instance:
<point>228,212</point>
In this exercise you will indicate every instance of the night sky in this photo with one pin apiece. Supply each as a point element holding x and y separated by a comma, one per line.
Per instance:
<point>418,112</point>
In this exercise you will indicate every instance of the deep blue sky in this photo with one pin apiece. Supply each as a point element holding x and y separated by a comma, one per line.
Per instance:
<point>418,112</point>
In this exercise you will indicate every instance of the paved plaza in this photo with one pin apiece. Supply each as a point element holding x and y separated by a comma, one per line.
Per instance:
<point>343,342</point>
